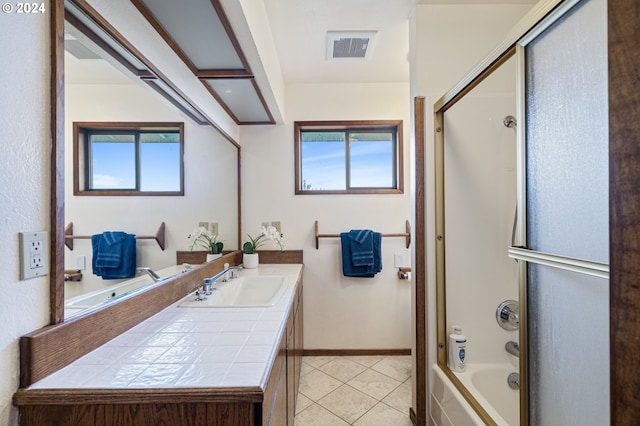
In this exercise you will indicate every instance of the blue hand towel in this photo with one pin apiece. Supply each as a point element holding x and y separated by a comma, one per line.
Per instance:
<point>377,252</point>
<point>361,247</point>
<point>114,255</point>
<point>110,249</point>
<point>349,240</point>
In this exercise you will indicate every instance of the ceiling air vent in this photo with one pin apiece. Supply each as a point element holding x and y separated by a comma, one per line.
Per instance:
<point>353,44</point>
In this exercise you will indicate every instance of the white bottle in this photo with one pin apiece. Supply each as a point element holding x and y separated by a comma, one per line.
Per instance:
<point>457,350</point>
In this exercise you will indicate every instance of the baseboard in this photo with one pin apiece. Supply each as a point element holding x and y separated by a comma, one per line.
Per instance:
<point>354,352</point>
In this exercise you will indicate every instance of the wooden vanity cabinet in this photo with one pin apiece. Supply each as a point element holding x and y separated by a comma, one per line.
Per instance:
<point>285,374</point>
<point>273,406</point>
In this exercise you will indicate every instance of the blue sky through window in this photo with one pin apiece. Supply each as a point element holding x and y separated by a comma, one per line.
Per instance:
<point>324,165</point>
<point>113,165</point>
<point>160,166</point>
<point>371,164</point>
<point>113,162</point>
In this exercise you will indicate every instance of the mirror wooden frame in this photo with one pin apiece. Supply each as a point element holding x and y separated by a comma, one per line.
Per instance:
<point>56,248</point>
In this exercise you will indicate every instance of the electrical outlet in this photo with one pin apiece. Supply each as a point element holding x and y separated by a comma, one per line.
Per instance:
<point>266,224</point>
<point>213,227</point>
<point>34,254</point>
<point>204,225</point>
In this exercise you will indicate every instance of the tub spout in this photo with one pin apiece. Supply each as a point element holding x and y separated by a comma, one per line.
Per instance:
<point>513,348</point>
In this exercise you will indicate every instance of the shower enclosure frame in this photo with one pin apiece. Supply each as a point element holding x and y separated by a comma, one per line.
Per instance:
<point>502,54</point>
<point>533,24</point>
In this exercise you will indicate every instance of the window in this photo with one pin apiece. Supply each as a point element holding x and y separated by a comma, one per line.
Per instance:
<point>348,157</point>
<point>128,159</point>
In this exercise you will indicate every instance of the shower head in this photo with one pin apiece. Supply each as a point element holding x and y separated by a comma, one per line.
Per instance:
<point>509,121</point>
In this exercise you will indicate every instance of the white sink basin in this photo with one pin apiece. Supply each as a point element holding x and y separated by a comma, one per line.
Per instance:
<point>245,292</point>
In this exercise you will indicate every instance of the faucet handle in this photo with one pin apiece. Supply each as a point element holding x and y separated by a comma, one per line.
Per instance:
<point>207,285</point>
<point>507,315</point>
<point>200,295</point>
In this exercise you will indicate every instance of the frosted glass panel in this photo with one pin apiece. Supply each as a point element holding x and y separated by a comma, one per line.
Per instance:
<point>567,136</point>
<point>569,348</point>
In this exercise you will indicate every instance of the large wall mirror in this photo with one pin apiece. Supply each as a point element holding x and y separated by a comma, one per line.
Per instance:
<point>99,89</point>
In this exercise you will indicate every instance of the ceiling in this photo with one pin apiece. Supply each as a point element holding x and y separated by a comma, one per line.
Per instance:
<point>299,30</point>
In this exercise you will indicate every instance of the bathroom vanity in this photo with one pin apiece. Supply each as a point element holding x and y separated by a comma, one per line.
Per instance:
<point>188,364</point>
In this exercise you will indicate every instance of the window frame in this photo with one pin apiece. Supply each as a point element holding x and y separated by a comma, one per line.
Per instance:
<point>395,126</point>
<point>81,152</point>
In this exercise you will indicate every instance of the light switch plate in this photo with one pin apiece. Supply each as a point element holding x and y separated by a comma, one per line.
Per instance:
<point>81,262</point>
<point>213,228</point>
<point>398,260</point>
<point>34,254</point>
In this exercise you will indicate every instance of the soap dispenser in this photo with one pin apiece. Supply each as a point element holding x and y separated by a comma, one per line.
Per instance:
<point>457,350</point>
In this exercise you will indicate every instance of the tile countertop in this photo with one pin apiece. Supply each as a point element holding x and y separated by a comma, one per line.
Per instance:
<point>188,347</point>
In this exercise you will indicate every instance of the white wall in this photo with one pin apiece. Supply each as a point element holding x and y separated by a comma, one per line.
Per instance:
<point>340,312</point>
<point>447,42</point>
<point>24,176</point>
<point>210,180</point>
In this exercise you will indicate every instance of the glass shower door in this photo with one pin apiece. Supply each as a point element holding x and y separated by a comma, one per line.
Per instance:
<point>565,220</point>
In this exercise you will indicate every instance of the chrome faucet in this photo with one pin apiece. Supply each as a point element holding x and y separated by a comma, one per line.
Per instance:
<point>155,277</point>
<point>207,283</point>
<point>513,348</point>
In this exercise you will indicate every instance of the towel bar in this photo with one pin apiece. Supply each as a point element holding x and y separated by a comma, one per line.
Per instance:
<point>406,235</point>
<point>69,237</point>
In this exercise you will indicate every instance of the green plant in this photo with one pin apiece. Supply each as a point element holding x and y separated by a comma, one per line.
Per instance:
<point>268,233</point>
<point>203,238</point>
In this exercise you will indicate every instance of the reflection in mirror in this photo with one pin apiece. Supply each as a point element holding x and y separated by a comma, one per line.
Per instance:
<point>480,143</point>
<point>101,90</point>
<point>128,159</point>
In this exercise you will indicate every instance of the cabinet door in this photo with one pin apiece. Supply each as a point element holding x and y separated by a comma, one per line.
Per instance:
<point>298,341</point>
<point>291,388</point>
<point>274,407</point>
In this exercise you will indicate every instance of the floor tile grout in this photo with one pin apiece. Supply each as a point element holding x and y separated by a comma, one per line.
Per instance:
<point>371,395</point>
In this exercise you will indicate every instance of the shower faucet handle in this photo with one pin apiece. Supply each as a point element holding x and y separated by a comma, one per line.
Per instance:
<point>508,315</point>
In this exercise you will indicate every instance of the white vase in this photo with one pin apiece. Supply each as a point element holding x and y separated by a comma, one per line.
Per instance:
<point>250,261</point>
<point>211,257</point>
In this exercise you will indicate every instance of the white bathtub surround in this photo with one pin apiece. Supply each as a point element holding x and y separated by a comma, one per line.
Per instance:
<point>187,347</point>
<point>488,385</point>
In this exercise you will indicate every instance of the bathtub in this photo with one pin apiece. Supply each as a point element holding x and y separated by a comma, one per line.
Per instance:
<point>488,385</point>
<point>96,298</point>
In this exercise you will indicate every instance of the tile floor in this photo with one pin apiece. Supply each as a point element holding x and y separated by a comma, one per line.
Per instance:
<point>354,390</point>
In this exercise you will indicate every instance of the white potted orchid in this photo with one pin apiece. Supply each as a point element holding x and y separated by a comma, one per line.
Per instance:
<point>202,237</point>
<point>250,258</point>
